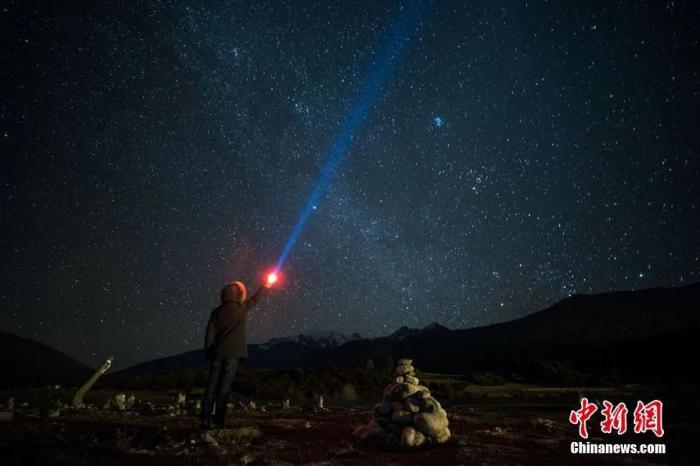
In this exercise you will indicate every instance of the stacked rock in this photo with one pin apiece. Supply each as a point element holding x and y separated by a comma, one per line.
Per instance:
<point>408,415</point>
<point>120,401</point>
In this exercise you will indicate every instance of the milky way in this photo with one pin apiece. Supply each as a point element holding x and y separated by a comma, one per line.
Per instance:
<point>520,152</point>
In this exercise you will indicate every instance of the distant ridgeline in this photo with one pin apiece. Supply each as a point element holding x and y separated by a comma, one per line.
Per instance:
<point>641,336</point>
<point>621,337</point>
<point>27,363</point>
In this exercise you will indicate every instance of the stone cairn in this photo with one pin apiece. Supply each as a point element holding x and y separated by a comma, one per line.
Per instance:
<point>408,416</point>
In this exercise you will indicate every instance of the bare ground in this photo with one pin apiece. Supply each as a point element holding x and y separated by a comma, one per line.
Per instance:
<point>483,433</point>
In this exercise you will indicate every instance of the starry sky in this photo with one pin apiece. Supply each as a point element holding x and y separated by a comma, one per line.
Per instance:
<point>517,153</point>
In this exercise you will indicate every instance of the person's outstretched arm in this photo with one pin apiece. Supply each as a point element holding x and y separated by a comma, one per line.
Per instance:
<point>256,297</point>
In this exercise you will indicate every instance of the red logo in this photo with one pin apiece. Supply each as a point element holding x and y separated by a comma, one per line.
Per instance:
<point>582,416</point>
<point>614,418</point>
<point>647,417</point>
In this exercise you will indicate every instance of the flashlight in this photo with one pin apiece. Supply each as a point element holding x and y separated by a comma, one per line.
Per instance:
<point>271,279</point>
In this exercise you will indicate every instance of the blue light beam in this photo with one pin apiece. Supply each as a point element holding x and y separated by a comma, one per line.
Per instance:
<point>378,76</point>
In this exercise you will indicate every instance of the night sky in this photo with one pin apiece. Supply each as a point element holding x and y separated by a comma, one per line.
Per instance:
<point>518,153</point>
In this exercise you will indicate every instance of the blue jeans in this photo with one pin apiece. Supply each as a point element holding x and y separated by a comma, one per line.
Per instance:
<point>221,374</point>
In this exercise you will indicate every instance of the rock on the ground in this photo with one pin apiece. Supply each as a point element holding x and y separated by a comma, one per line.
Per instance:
<point>120,401</point>
<point>413,403</point>
<point>443,436</point>
<point>431,405</point>
<point>431,424</point>
<point>404,369</point>
<point>411,438</point>
<point>400,391</point>
<point>401,417</point>
<point>411,379</point>
<point>396,405</point>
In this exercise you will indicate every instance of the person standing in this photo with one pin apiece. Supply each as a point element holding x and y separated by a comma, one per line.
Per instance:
<point>225,346</point>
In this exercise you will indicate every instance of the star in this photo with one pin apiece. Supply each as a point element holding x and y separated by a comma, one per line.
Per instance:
<point>509,158</point>
<point>438,121</point>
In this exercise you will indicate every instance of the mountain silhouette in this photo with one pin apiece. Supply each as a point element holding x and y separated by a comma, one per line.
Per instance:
<point>644,335</point>
<point>619,337</point>
<point>28,363</point>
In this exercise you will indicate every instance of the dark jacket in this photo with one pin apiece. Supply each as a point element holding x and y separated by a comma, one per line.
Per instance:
<point>226,330</point>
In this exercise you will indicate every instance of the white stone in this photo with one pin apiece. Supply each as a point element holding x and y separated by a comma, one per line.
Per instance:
<point>120,401</point>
